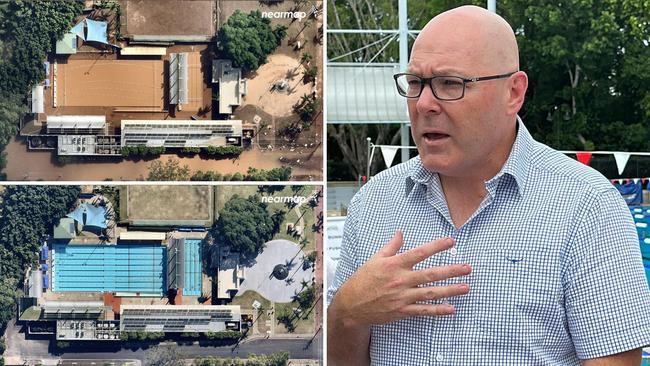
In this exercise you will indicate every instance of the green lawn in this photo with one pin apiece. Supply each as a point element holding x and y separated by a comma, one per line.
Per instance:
<point>303,325</point>
<point>246,301</point>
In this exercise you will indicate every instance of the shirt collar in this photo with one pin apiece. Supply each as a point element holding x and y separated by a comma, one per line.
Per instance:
<point>515,166</point>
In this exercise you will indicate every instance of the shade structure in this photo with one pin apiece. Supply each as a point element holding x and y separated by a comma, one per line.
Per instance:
<point>96,31</point>
<point>90,215</point>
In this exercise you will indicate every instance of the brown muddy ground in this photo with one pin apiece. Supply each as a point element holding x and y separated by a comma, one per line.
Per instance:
<point>25,165</point>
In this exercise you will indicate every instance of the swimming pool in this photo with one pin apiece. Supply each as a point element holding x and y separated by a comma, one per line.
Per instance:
<point>192,285</point>
<point>109,268</point>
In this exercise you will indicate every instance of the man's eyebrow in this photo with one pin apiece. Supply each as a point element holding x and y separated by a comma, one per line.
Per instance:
<point>440,72</point>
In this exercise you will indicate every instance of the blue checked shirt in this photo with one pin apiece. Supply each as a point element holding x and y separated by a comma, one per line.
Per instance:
<point>557,271</point>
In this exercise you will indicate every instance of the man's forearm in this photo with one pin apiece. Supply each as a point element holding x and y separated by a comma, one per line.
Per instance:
<point>347,343</point>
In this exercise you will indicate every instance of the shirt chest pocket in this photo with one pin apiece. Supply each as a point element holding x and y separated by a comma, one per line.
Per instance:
<point>517,292</point>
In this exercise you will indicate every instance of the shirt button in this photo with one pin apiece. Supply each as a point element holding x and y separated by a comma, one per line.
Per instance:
<point>439,357</point>
<point>453,251</point>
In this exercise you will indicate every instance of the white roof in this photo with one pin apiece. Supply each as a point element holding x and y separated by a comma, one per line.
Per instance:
<point>76,121</point>
<point>144,51</point>
<point>360,93</point>
<point>227,280</point>
<point>142,235</point>
<point>38,105</point>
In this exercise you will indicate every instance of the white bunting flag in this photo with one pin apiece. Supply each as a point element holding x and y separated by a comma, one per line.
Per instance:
<point>621,160</point>
<point>389,154</point>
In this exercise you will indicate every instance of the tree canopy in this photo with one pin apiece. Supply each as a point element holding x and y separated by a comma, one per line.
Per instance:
<point>586,62</point>
<point>247,39</point>
<point>28,213</point>
<point>244,224</point>
<point>29,30</point>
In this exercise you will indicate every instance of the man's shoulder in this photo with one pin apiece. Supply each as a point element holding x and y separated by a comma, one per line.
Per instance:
<point>393,178</point>
<point>555,168</point>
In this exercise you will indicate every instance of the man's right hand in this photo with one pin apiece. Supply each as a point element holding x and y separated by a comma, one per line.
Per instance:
<point>386,288</point>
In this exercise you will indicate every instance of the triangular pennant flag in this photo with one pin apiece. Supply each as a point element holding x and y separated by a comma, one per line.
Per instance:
<point>614,181</point>
<point>620,181</point>
<point>635,180</point>
<point>389,154</point>
<point>644,181</point>
<point>584,157</point>
<point>621,161</point>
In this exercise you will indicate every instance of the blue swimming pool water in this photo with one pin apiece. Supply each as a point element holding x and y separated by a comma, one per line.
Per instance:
<point>110,268</point>
<point>192,285</point>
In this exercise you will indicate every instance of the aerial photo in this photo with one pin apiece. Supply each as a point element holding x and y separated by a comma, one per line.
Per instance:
<point>161,275</point>
<point>180,90</point>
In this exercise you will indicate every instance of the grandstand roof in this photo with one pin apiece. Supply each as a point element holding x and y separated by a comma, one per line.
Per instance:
<point>69,121</point>
<point>360,93</point>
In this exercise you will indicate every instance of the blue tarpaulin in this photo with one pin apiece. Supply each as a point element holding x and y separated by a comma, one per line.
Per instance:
<point>46,281</point>
<point>44,252</point>
<point>44,267</point>
<point>631,192</point>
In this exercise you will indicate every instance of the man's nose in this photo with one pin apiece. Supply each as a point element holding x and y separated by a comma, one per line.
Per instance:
<point>427,102</point>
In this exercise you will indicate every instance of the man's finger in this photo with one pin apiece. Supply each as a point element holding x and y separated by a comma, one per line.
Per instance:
<point>392,247</point>
<point>438,274</point>
<point>417,255</point>
<point>427,310</point>
<point>414,295</point>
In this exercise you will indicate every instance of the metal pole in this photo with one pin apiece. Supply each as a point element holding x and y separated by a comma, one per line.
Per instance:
<point>492,5</point>
<point>369,159</point>
<point>403,62</point>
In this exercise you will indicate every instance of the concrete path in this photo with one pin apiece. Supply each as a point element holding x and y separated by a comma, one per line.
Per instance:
<point>258,277</point>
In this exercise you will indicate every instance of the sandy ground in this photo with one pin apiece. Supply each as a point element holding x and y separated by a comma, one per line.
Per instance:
<point>38,165</point>
<point>102,82</point>
<point>277,103</point>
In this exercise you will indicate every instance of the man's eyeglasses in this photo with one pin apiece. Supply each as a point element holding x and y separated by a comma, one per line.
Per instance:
<point>443,87</point>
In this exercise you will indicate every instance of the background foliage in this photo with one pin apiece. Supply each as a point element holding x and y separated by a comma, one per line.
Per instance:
<point>588,64</point>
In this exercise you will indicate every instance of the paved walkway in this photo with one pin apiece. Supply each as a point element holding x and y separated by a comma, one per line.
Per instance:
<point>276,252</point>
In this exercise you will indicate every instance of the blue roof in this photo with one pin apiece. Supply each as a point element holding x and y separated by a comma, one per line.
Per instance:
<point>79,29</point>
<point>90,215</point>
<point>97,31</point>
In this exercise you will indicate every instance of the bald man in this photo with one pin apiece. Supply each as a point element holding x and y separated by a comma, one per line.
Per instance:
<point>489,248</point>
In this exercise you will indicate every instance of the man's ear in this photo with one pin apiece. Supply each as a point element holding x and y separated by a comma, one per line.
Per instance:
<point>518,84</point>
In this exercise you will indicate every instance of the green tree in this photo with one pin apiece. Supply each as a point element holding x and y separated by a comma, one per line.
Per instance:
<point>164,356</point>
<point>168,170</point>
<point>12,111</point>
<point>306,58</point>
<point>306,297</point>
<point>310,74</point>
<point>278,219</point>
<point>247,39</point>
<point>244,224</point>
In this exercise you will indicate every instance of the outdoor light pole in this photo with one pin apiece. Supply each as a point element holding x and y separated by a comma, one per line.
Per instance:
<point>492,5</point>
<point>405,130</point>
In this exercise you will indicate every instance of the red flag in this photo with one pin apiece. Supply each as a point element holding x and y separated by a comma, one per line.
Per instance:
<point>584,157</point>
<point>644,181</point>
